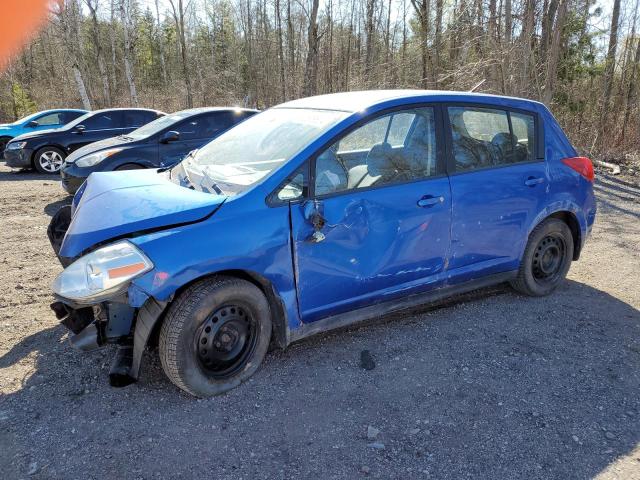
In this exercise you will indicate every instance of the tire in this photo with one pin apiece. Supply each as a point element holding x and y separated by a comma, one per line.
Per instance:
<point>3,144</point>
<point>129,166</point>
<point>58,227</point>
<point>200,321</point>
<point>546,259</point>
<point>48,160</point>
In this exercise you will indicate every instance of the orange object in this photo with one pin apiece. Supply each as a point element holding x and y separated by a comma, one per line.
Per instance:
<point>126,270</point>
<point>20,20</point>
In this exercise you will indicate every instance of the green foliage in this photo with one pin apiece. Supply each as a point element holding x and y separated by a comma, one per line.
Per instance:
<point>22,103</point>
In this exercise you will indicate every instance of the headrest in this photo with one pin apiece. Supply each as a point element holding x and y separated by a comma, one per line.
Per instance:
<point>379,159</point>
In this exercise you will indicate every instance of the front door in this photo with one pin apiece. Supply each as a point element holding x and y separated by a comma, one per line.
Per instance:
<point>379,223</point>
<point>97,127</point>
<point>499,184</point>
<point>193,133</point>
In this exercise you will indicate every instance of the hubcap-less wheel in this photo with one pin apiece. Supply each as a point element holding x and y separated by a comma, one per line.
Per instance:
<point>225,340</point>
<point>50,161</point>
<point>548,259</point>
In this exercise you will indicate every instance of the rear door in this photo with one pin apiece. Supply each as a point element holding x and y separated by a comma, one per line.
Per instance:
<point>132,119</point>
<point>499,184</point>
<point>50,120</point>
<point>99,126</point>
<point>384,200</point>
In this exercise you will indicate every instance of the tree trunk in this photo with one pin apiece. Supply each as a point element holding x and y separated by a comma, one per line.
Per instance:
<point>102,68</point>
<point>178,16</point>
<point>369,26</point>
<point>82,90</point>
<point>610,66</point>
<point>283,84</point>
<point>311,68</point>
<point>423,10</point>
<point>163,62</point>
<point>133,94</point>
<point>555,51</point>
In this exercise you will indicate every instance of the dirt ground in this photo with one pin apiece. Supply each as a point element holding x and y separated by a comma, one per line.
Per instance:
<point>493,385</point>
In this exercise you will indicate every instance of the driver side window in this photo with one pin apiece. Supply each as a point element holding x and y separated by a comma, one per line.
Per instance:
<point>397,147</point>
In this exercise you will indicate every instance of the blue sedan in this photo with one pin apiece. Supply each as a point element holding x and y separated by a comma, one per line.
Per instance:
<point>314,215</point>
<point>37,121</point>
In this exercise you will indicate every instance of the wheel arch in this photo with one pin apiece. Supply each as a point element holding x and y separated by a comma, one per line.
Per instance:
<point>572,222</point>
<point>279,337</point>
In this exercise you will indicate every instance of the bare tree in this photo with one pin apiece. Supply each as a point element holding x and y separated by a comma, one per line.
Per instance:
<point>95,30</point>
<point>610,65</point>
<point>311,68</point>
<point>126,26</point>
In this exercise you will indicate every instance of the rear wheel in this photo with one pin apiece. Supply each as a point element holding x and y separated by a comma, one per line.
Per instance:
<point>546,259</point>
<point>48,160</point>
<point>215,335</point>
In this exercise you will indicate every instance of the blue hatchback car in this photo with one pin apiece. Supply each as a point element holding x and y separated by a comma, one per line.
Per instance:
<point>37,121</point>
<point>314,215</point>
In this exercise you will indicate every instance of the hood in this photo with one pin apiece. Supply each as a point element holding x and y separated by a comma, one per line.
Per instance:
<point>117,204</point>
<point>97,146</point>
<point>39,133</point>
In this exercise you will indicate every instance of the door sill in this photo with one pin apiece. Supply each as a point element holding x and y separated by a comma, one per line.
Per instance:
<point>377,310</point>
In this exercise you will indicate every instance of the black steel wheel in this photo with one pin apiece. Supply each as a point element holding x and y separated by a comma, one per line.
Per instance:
<point>546,259</point>
<point>225,340</point>
<point>215,335</point>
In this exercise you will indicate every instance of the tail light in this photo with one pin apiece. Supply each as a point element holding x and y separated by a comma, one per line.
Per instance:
<point>582,165</point>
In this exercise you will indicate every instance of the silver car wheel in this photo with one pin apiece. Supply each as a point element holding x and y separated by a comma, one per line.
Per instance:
<point>50,161</point>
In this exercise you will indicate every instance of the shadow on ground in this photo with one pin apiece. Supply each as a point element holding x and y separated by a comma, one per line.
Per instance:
<point>25,175</point>
<point>496,386</point>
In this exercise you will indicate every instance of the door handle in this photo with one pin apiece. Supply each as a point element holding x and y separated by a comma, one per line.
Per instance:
<point>429,201</point>
<point>533,181</point>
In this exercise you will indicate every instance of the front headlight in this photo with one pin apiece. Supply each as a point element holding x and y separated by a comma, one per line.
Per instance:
<point>95,158</point>
<point>16,145</point>
<point>101,274</point>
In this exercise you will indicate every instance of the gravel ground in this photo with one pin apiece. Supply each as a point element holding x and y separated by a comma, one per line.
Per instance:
<point>490,385</point>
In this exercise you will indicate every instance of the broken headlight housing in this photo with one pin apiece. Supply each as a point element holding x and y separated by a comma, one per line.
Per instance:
<point>101,274</point>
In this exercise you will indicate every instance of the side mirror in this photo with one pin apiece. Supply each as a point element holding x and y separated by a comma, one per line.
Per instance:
<point>170,136</point>
<point>312,211</point>
<point>32,124</point>
<point>80,128</point>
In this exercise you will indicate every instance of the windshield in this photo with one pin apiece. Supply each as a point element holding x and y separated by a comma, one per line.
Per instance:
<point>159,124</point>
<point>254,148</point>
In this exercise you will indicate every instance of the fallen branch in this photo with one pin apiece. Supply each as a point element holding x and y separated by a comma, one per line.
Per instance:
<point>615,169</point>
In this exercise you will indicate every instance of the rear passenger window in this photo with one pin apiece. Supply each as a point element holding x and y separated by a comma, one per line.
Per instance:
<point>50,119</point>
<point>398,147</point>
<point>484,137</point>
<point>137,118</point>
<point>102,121</point>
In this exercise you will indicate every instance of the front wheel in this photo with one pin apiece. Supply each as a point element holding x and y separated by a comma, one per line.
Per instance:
<point>215,335</point>
<point>3,145</point>
<point>546,259</point>
<point>48,160</point>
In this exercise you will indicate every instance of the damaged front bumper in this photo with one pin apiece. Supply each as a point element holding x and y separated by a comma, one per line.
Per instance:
<point>112,323</point>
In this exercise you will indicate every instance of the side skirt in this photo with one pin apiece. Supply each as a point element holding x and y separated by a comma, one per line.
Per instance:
<point>363,314</point>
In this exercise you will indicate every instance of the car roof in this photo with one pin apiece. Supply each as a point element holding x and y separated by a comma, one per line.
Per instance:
<point>360,100</point>
<point>127,109</point>
<point>197,110</point>
<point>63,110</point>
